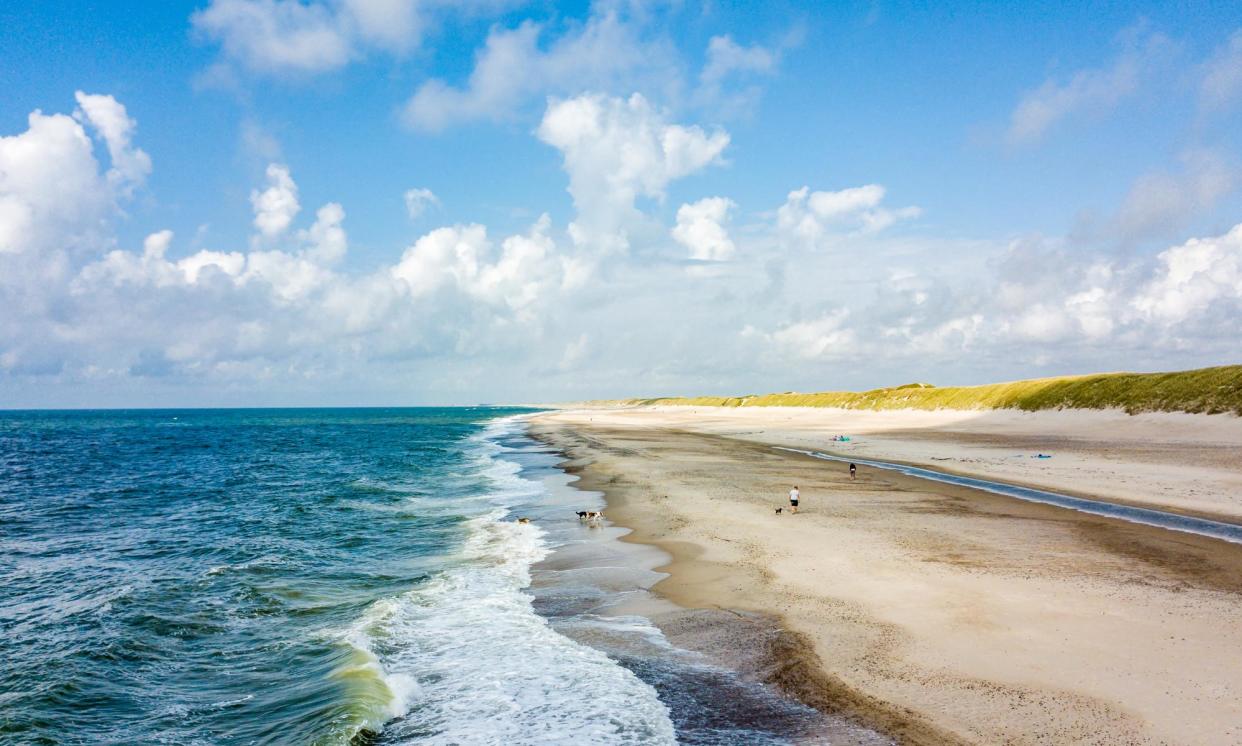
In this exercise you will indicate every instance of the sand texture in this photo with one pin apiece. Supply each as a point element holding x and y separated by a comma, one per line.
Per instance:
<point>941,614</point>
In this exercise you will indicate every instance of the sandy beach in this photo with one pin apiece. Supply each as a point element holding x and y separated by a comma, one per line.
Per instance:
<point>940,614</point>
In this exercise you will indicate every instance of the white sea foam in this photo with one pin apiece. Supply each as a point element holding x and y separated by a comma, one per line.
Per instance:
<point>468,660</point>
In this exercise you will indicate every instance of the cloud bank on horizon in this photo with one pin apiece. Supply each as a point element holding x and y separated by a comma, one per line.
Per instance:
<point>637,292</point>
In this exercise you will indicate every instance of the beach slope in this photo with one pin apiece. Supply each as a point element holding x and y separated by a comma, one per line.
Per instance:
<point>943,614</point>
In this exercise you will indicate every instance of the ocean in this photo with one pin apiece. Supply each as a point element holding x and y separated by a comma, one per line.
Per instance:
<point>336,576</point>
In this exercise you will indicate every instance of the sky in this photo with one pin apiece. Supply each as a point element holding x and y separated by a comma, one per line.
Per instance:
<point>378,202</point>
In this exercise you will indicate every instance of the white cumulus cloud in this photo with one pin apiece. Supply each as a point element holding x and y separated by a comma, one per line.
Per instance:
<point>274,36</point>
<point>606,52</point>
<point>617,150</point>
<point>130,165</point>
<point>52,194</point>
<point>277,206</point>
<point>50,187</point>
<point>326,239</point>
<point>462,259</point>
<point>1191,278</point>
<point>701,229</point>
<point>809,217</point>
<point>84,311</point>
<point>293,37</point>
<point>827,335</point>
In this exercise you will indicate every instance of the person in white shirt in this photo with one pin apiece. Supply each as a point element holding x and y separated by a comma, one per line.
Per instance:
<point>793,499</point>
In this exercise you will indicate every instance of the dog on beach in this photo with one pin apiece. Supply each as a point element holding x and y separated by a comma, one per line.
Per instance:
<point>523,520</point>
<point>589,516</point>
<point>778,510</point>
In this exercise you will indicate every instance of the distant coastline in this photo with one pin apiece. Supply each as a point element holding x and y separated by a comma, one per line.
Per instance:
<point>1215,390</point>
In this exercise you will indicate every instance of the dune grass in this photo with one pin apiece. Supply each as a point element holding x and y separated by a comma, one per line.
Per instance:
<point>1204,391</point>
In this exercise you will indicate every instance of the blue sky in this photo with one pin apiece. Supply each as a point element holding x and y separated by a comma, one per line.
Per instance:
<point>993,191</point>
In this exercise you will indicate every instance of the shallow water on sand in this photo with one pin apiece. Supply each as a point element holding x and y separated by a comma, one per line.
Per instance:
<point>1230,532</point>
<point>594,588</point>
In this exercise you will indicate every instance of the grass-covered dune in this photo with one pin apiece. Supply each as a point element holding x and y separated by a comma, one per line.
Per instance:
<point>1207,391</point>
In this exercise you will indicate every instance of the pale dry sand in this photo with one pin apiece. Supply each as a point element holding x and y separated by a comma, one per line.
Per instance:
<point>939,614</point>
<point>1179,462</point>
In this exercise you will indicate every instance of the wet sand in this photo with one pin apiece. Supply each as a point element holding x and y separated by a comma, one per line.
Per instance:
<point>595,589</point>
<point>935,614</point>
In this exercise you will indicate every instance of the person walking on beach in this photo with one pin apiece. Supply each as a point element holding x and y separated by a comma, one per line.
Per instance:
<point>793,499</point>
<point>853,471</point>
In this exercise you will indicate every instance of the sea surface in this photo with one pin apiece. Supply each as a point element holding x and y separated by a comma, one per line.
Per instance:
<point>336,576</point>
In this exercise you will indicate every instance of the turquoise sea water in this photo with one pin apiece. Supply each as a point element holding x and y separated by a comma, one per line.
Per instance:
<point>200,576</point>
<point>325,577</point>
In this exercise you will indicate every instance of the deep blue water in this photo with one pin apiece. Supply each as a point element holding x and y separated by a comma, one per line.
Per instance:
<point>333,576</point>
<point>198,576</point>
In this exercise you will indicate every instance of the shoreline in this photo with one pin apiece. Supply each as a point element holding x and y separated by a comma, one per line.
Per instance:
<point>1228,517</point>
<point>906,668</point>
<point>1198,525</point>
<point>758,681</point>
<point>783,658</point>
<point>1180,463</point>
